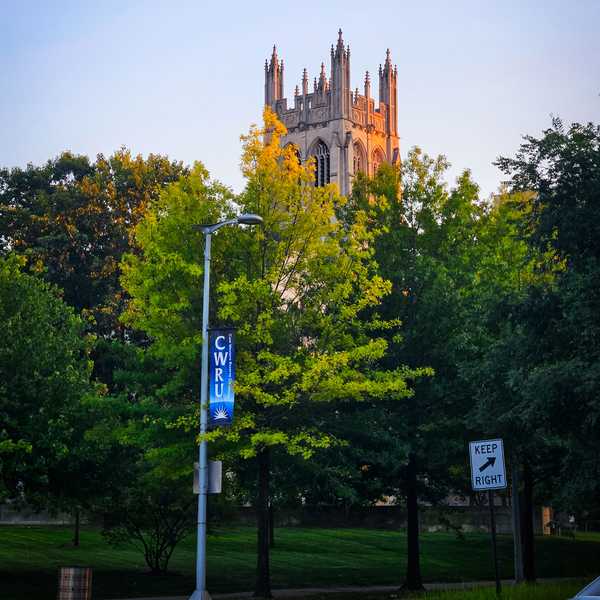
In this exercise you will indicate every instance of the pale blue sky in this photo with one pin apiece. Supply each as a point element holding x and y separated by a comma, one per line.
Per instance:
<point>185,78</point>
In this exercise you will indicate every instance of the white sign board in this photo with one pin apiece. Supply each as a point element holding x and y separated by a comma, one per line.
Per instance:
<point>487,465</point>
<point>215,476</point>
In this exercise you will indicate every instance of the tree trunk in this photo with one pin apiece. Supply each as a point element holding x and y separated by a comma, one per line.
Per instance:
<point>516,521</point>
<point>271,526</point>
<point>527,532</point>
<point>77,527</point>
<point>263,576</point>
<point>413,579</point>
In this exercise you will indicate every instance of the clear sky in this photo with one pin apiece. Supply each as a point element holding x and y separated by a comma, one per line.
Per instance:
<point>185,78</point>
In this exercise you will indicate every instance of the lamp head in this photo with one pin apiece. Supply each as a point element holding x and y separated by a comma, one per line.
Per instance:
<point>249,219</point>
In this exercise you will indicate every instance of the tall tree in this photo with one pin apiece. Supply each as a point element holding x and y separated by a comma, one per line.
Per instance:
<point>71,217</point>
<point>535,375</point>
<point>558,379</point>
<point>504,273</point>
<point>425,243</point>
<point>297,292</point>
<point>44,379</point>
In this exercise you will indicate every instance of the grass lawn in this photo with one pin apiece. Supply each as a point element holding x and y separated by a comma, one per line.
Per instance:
<point>544,591</point>
<point>557,591</point>
<point>31,555</point>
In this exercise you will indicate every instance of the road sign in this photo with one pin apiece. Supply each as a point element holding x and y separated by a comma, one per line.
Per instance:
<point>487,465</point>
<point>488,474</point>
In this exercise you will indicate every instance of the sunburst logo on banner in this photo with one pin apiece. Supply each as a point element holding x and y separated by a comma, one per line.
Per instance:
<point>220,414</point>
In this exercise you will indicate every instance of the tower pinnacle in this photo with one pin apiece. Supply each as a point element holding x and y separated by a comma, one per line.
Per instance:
<point>273,78</point>
<point>304,82</point>
<point>340,43</point>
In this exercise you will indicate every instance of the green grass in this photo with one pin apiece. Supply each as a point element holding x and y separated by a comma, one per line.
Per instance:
<point>544,591</point>
<point>30,558</point>
<point>559,591</point>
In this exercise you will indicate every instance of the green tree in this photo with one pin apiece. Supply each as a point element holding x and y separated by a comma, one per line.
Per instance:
<point>505,271</point>
<point>144,464</point>
<point>533,370</point>
<point>71,218</point>
<point>297,292</point>
<point>44,379</point>
<point>151,507</point>
<point>426,245</point>
<point>553,374</point>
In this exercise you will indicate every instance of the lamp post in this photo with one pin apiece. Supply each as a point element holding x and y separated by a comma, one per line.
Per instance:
<point>200,592</point>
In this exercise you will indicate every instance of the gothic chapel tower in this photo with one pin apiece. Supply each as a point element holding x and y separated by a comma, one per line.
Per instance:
<point>342,129</point>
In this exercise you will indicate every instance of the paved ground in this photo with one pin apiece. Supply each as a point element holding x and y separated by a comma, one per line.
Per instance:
<point>376,589</point>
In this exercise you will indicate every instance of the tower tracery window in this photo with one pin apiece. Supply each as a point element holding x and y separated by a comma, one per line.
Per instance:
<point>378,158</point>
<point>359,159</point>
<point>322,172</point>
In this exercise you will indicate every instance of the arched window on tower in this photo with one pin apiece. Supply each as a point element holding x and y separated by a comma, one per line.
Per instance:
<point>322,176</point>
<point>359,158</point>
<point>378,158</point>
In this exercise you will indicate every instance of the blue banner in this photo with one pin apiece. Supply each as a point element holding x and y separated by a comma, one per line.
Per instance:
<point>221,376</point>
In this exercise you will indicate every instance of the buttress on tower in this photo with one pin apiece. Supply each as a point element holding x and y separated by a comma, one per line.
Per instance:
<point>342,129</point>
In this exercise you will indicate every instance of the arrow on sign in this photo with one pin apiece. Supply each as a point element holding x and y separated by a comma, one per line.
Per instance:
<point>489,463</point>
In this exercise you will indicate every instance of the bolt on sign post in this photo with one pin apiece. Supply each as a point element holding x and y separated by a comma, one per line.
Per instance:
<point>488,474</point>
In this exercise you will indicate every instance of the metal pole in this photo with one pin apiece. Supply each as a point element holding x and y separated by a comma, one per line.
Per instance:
<point>494,550</point>
<point>200,592</point>
<point>516,520</point>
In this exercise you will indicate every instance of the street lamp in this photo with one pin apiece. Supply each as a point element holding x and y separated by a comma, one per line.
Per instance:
<point>200,592</point>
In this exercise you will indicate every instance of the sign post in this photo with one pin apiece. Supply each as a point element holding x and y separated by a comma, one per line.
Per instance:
<point>488,473</point>
<point>494,547</point>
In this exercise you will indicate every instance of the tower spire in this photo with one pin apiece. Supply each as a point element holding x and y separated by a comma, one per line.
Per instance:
<point>388,59</point>
<point>304,82</point>
<point>339,49</point>
<point>388,93</point>
<point>341,91</point>
<point>322,79</point>
<point>273,78</point>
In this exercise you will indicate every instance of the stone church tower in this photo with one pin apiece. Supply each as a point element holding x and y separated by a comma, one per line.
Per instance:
<point>342,129</point>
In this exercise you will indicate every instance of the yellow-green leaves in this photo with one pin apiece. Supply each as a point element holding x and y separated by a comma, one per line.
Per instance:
<point>165,280</point>
<point>301,292</point>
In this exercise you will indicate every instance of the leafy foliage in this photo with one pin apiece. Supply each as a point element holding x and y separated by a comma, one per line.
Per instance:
<point>551,349</point>
<point>71,217</point>
<point>44,376</point>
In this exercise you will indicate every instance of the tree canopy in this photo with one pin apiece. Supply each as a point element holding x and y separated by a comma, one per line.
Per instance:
<point>44,375</point>
<point>299,293</point>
